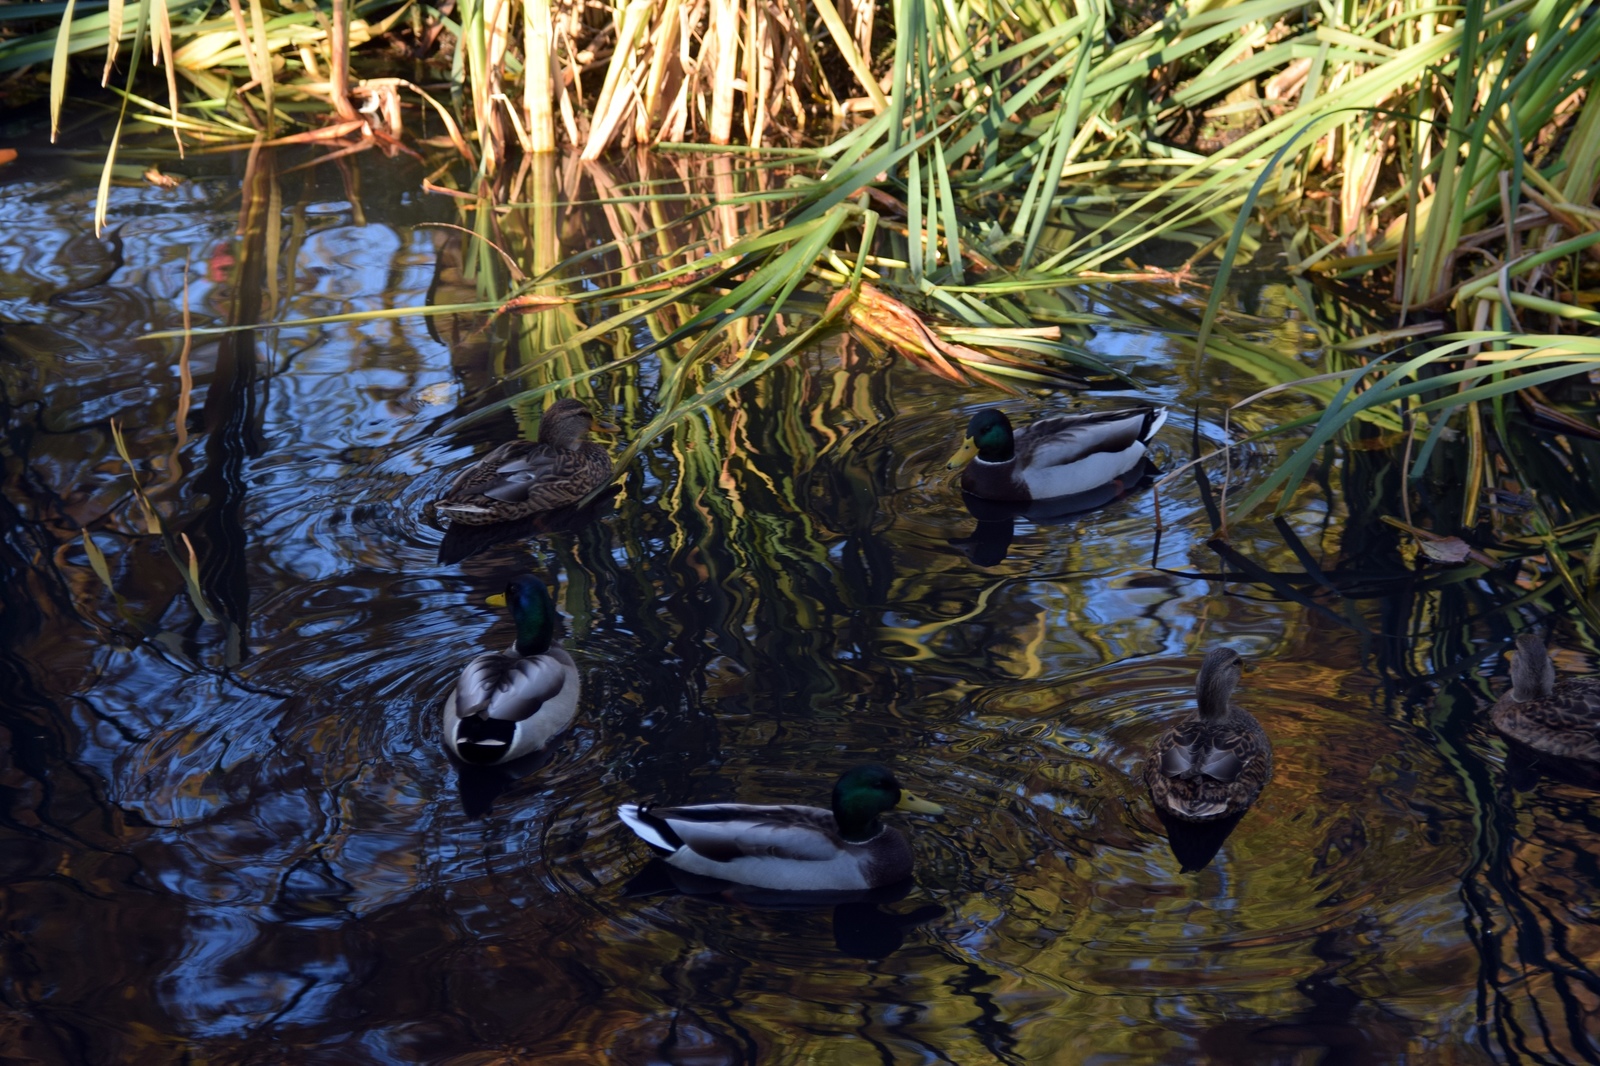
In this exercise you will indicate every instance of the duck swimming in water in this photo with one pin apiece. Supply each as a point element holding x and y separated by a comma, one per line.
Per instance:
<point>790,848</point>
<point>1214,763</point>
<point>522,477</point>
<point>1059,455</point>
<point>508,704</point>
<point>1559,718</point>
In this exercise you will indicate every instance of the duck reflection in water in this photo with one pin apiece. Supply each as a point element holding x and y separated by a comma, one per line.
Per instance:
<point>1195,844</point>
<point>1338,1026</point>
<point>862,929</point>
<point>480,786</point>
<point>1525,768</point>
<point>990,542</point>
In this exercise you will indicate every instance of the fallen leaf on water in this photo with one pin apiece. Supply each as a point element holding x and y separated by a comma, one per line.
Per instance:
<point>160,180</point>
<point>1448,550</point>
<point>1442,549</point>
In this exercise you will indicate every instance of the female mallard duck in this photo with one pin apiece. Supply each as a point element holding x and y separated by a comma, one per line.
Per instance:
<point>509,704</point>
<point>1056,456</point>
<point>1214,763</point>
<point>790,848</point>
<point>1556,717</point>
<point>521,477</point>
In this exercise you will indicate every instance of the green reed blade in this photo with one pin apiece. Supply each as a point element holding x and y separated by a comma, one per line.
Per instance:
<point>58,70</point>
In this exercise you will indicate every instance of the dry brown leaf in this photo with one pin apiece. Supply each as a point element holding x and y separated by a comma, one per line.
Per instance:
<point>1443,549</point>
<point>1448,550</point>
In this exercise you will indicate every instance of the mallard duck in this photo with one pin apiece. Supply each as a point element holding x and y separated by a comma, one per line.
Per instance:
<point>1556,717</point>
<point>509,704</point>
<point>1214,763</point>
<point>1055,456</point>
<point>790,848</point>
<point>521,477</point>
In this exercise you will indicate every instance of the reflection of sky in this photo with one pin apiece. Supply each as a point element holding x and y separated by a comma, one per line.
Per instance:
<point>310,836</point>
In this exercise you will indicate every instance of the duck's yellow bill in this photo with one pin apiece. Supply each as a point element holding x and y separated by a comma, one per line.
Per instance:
<point>604,427</point>
<point>963,455</point>
<point>497,600</point>
<point>908,802</point>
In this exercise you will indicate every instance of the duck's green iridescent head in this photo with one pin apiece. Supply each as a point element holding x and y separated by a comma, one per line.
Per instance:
<point>866,792</point>
<point>989,437</point>
<point>534,612</point>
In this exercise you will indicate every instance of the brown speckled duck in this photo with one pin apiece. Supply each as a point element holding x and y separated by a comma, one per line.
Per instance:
<point>1214,763</point>
<point>1556,717</point>
<point>521,478</point>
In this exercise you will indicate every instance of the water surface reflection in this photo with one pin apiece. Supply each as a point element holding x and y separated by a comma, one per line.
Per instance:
<point>218,831</point>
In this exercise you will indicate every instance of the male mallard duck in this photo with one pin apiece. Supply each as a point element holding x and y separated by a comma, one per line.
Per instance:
<point>1214,762</point>
<point>1056,456</point>
<point>508,704</point>
<point>790,848</point>
<point>521,477</point>
<point>1556,717</point>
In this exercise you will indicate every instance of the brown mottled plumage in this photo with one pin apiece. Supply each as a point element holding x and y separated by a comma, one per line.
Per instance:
<point>521,477</point>
<point>1214,762</point>
<point>1556,717</point>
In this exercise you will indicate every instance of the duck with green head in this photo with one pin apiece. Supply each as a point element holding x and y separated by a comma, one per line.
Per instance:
<point>1559,718</point>
<point>1060,455</point>
<point>790,848</point>
<point>1215,761</point>
<point>524,477</point>
<point>510,704</point>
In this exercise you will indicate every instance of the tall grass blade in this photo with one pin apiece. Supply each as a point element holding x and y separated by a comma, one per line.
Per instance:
<point>161,41</point>
<point>58,70</point>
<point>97,561</point>
<point>113,36</point>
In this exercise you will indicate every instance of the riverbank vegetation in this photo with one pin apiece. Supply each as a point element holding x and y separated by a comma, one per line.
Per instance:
<point>978,185</point>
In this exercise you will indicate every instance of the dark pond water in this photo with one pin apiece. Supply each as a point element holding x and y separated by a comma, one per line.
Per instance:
<point>237,838</point>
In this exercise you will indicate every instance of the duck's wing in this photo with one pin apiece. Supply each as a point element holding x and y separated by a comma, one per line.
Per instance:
<point>1062,439</point>
<point>524,476</point>
<point>1223,753</point>
<point>1573,706</point>
<point>1204,771</point>
<point>484,471</point>
<point>539,475</point>
<point>510,688</point>
<point>723,832</point>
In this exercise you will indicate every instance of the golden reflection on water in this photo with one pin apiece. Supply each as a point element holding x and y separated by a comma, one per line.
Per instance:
<point>211,839</point>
